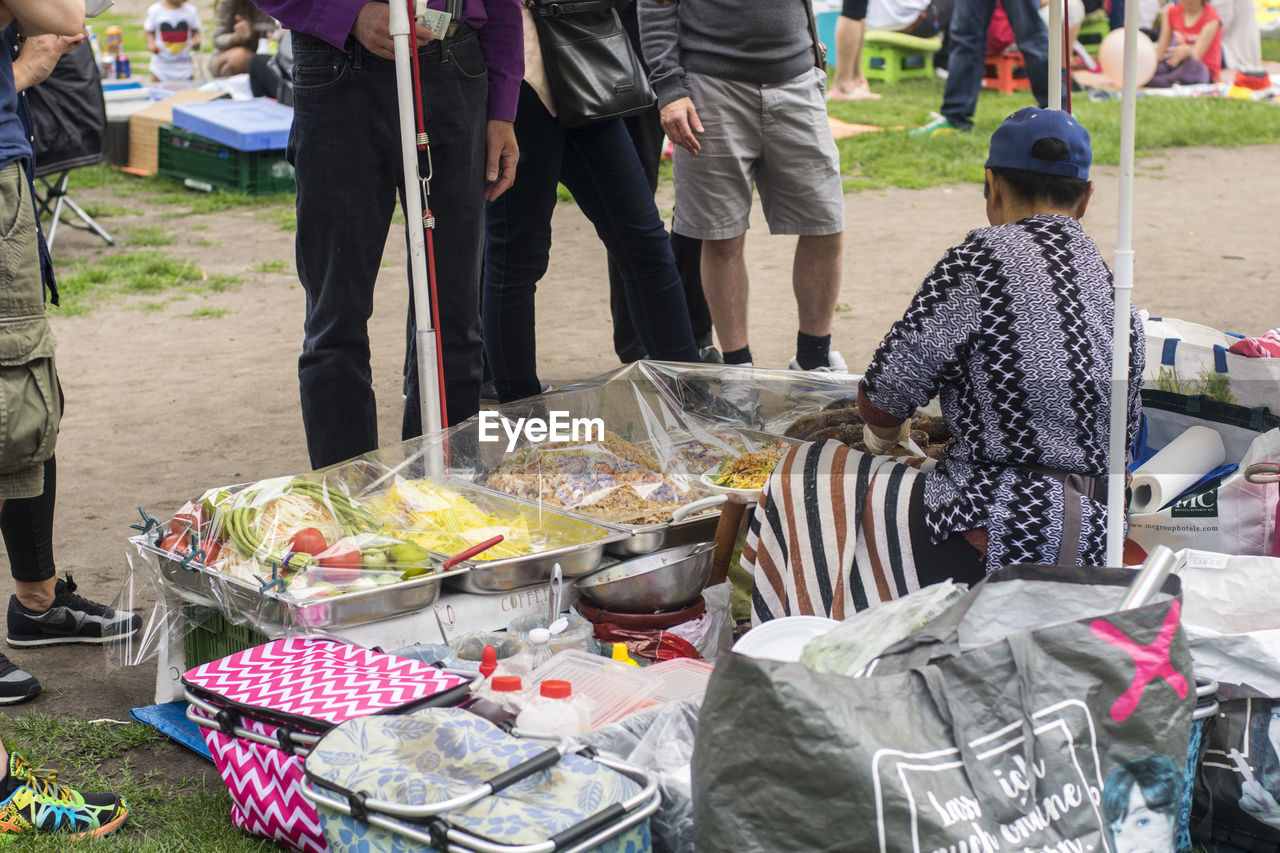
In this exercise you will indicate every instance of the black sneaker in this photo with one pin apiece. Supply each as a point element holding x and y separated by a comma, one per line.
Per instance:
<point>15,685</point>
<point>71,619</point>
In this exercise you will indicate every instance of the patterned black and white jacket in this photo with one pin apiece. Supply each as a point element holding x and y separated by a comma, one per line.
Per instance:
<point>1012,329</point>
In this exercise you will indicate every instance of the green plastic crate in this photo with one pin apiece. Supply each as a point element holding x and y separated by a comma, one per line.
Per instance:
<point>212,637</point>
<point>202,164</point>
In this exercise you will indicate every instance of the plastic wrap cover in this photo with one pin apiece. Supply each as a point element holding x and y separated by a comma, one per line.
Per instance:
<point>746,397</point>
<point>625,454</point>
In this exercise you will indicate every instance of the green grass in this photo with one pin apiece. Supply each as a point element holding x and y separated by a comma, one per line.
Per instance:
<point>285,218</point>
<point>1271,49</point>
<point>167,815</point>
<point>149,235</point>
<point>206,243</point>
<point>892,158</point>
<point>208,312</point>
<point>83,284</point>
<point>272,267</point>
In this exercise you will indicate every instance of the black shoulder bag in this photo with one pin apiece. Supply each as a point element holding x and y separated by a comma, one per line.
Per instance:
<point>593,72</point>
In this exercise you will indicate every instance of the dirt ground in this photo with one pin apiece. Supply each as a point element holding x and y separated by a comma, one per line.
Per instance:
<point>162,405</point>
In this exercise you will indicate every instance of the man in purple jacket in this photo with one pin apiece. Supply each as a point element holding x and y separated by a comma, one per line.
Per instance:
<point>345,149</point>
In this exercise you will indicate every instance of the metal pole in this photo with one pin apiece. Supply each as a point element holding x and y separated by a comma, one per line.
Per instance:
<point>1124,288</point>
<point>401,29</point>
<point>1056,15</point>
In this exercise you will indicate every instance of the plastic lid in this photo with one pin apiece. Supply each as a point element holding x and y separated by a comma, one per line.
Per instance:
<point>488,661</point>
<point>505,683</point>
<point>556,689</point>
<point>539,636</point>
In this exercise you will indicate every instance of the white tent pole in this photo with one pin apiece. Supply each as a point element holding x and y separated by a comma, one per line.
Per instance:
<point>1124,288</point>
<point>1056,14</point>
<point>401,29</point>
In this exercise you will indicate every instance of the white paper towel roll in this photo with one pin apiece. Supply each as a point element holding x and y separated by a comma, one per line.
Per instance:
<point>1177,467</point>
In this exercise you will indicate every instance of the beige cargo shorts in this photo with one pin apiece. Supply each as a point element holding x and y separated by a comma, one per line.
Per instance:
<point>30,402</point>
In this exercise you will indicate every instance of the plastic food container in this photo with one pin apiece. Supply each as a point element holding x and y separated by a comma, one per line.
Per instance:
<point>613,689</point>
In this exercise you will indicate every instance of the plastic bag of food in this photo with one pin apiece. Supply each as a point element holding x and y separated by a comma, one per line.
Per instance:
<point>858,640</point>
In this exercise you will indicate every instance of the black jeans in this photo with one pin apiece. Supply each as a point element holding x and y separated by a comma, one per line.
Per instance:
<point>345,148</point>
<point>646,134</point>
<point>599,166</point>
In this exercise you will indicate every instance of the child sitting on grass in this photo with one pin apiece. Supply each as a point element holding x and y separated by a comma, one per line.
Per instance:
<point>1190,45</point>
<point>173,31</point>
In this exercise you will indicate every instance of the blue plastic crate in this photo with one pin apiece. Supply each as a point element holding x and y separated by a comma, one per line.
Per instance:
<point>260,124</point>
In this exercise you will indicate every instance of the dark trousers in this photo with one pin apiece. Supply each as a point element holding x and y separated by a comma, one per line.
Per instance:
<point>967,62</point>
<point>599,166</point>
<point>345,148</point>
<point>27,527</point>
<point>646,134</point>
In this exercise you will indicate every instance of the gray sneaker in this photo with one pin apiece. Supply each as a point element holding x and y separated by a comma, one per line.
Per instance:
<point>71,619</point>
<point>16,685</point>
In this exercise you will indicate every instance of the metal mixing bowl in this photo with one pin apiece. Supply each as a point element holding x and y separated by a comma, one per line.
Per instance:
<point>670,579</point>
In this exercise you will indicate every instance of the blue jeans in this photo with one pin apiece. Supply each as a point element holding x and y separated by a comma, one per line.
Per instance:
<point>345,148</point>
<point>599,165</point>
<point>969,24</point>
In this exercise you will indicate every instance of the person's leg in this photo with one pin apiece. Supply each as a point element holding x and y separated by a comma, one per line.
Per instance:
<point>344,106</point>
<point>517,249</point>
<point>967,60</point>
<point>815,278</point>
<point>714,195</point>
<point>27,527</point>
<point>802,193</point>
<point>1032,37</point>
<point>851,29</point>
<point>604,174</point>
<point>1166,75</point>
<point>264,79</point>
<point>455,102</point>
<point>726,286</point>
<point>646,135</point>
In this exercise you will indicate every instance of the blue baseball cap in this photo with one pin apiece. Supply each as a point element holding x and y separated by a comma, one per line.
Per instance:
<point>1012,142</point>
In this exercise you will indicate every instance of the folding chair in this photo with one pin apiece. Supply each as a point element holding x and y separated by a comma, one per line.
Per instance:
<point>69,116</point>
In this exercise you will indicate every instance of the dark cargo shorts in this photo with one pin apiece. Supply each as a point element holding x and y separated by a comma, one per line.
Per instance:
<point>30,403</point>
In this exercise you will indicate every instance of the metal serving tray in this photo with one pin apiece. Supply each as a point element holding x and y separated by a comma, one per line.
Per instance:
<point>584,542</point>
<point>273,613</point>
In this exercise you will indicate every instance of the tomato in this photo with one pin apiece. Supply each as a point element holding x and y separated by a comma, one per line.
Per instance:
<point>340,563</point>
<point>308,540</point>
<point>212,548</point>
<point>341,555</point>
<point>173,541</point>
<point>190,517</point>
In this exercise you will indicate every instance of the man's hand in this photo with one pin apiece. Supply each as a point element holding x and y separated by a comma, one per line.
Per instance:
<point>680,123</point>
<point>38,56</point>
<point>371,30</point>
<point>500,170</point>
<point>241,30</point>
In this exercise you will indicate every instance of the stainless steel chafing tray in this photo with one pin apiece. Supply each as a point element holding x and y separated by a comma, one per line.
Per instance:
<point>273,613</point>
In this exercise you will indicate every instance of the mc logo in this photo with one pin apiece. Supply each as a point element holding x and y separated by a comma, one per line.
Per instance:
<point>1200,505</point>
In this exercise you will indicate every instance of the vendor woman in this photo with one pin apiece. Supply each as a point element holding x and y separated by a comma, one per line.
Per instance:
<point>1012,330</point>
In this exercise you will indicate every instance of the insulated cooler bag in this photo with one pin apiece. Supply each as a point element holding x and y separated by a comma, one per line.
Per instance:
<point>262,709</point>
<point>443,779</point>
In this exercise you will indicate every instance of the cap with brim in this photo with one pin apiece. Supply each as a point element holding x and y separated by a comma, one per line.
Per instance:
<point>1013,140</point>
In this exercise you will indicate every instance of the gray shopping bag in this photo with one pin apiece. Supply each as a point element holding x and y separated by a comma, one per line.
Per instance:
<point>1031,716</point>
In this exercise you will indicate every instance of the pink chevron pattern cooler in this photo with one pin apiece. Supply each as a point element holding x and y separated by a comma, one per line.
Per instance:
<point>299,685</point>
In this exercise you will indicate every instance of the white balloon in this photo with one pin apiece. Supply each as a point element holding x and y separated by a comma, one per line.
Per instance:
<point>1111,57</point>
